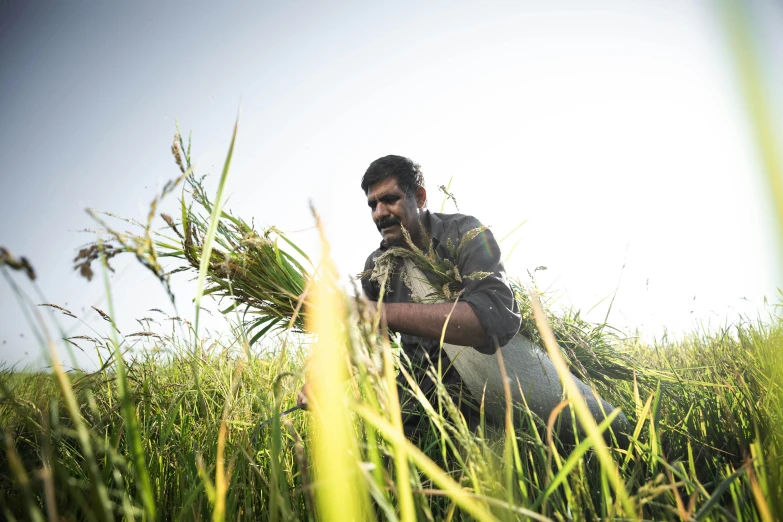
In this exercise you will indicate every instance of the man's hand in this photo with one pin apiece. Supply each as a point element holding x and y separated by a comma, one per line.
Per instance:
<point>371,309</point>
<point>363,308</point>
<point>301,398</point>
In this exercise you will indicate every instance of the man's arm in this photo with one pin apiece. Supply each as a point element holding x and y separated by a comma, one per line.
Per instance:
<point>491,298</point>
<point>427,320</point>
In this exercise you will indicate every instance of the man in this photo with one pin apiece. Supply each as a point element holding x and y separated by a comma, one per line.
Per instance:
<point>485,318</point>
<point>486,315</point>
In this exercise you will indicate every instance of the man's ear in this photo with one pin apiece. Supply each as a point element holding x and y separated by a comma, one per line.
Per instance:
<point>421,197</point>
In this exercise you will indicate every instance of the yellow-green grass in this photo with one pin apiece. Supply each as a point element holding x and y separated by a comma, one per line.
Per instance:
<point>707,445</point>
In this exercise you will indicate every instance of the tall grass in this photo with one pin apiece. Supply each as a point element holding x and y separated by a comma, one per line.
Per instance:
<point>707,448</point>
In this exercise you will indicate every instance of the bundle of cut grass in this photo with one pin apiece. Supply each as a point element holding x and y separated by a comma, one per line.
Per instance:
<point>245,266</point>
<point>596,353</point>
<point>248,267</point>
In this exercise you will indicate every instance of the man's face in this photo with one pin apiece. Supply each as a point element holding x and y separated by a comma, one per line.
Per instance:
<point>391,207</point>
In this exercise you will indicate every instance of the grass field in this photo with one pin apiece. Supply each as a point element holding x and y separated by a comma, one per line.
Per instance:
<point>170,434</point>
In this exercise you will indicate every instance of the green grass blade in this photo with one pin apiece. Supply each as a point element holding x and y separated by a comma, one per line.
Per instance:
<point>718,492</point>
<point>214,219</point>
<point>573,459</point>
<point>462,498</point>
<point>133,431</point>
<point>293,245</point>
<point>583,414</point>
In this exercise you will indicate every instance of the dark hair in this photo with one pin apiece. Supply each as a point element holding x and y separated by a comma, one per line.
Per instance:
<point>406,171</point>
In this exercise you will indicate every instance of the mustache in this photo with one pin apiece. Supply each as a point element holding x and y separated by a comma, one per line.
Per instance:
<point>387,222</point>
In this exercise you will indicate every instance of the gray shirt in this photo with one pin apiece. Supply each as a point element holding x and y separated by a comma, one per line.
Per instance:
<point>491,298</point>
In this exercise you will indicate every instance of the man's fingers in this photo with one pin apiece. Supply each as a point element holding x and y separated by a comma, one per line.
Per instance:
<point>301,398</point>
<point>359,305</point>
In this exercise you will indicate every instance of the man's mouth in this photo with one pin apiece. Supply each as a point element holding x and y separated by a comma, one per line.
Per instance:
<point>385,224</point>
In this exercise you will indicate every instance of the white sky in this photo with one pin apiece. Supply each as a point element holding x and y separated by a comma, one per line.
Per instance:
<point>617,131</point>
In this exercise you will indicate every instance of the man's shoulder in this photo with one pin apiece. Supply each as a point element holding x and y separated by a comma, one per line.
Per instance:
<point>455,218</point>
<point>456,223</point>
<point>454,229</point>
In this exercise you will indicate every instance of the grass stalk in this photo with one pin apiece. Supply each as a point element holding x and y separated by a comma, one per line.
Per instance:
<point>342,495</point>
<point>214,219</point>
<point>583,414</point>
<point>132,427</point>
<point>460,497</point>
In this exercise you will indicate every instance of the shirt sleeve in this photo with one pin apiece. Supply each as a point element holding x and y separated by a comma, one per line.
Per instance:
<point>491,297</point>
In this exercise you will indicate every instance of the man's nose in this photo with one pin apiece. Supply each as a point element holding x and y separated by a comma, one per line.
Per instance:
<point>380,211</point>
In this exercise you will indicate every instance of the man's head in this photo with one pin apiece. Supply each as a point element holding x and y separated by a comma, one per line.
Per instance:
<point>395,192</point>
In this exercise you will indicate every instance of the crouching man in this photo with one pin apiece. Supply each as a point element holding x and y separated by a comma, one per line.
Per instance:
<point>484,319</point>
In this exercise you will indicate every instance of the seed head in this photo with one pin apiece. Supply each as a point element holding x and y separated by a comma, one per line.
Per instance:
<point>7,258</point>
<point>177,153</point>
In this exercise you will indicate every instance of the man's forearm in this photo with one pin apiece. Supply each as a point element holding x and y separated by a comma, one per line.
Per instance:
<point>427,320</point>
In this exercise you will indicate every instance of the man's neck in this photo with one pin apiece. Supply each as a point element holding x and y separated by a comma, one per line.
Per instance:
<point>421,236</point>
